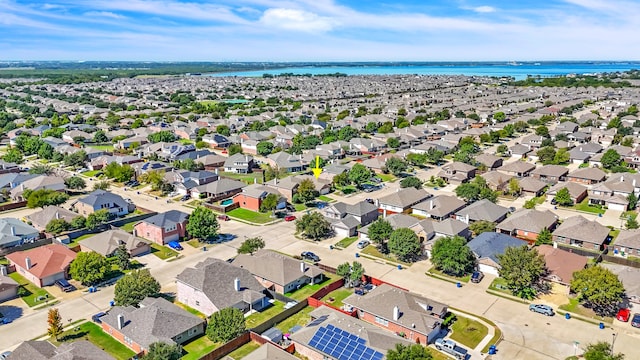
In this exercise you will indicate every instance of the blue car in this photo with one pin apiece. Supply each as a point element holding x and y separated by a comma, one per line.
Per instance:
<point>175,245</point>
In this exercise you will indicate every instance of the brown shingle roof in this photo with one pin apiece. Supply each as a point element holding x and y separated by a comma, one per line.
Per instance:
<point>46,260</point>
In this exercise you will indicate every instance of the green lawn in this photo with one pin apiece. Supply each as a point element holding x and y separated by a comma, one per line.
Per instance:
<point>91,173</point>
<point>346,190</point>
<point>199,347</point>
<point>4,261</point>
<point>346,241</point>
<point>258,318</point>
<point>307,290</point>
<point>128,227</point>
<point>584,206</point>
<point>244,350</point>
<point>93,333</point>
<point>102,147</point>
<point>74,242</point>
<point>248,178</point>
<point>499,284</point>
<point>335,297</point>
<point>468,332</point>
<point>440,274</point>
<point>163,252</point>
<point>326,198</point>
<point>629,214</point>
<point>387,177</point>
<point>373,251</point>
<point>196,243</point>
<point>574,307</point>
<point>300,207</point>
<point>29,292</point>
<point>250,216</point>
<point>190,309</point>
<point>301,318</point>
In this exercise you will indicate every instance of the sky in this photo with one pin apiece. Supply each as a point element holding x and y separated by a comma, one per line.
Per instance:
<point>319,30</point>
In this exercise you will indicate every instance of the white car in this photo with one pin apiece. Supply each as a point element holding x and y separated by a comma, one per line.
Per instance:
<point>363,244</point>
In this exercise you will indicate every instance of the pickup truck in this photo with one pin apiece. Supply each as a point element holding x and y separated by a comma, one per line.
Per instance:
<point>450,347</point>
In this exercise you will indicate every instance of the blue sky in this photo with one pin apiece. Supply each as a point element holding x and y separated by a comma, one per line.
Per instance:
<point>319,30</point>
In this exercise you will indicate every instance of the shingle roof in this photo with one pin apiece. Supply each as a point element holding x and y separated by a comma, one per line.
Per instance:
<point>551,170</point>
<point>98,197</point>
<point>483,210</point>
<point>529,220</point>
<point>44,216</point>
<point>167,219</point>
<point>579,228</point>
<point>589,174</point>
<point>404,198</point>
<point>629,239</point>
<point>275,267</point>
<point>440,205</point>
<point>491,244</point>
<point>107,242</point>
<point>531,184</point>
<point>46,260</point>
<point>269,352</point>
<point>13,229</point>
<point>562,263</point>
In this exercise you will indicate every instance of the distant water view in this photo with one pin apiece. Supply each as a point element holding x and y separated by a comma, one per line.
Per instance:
<point>517,70</point>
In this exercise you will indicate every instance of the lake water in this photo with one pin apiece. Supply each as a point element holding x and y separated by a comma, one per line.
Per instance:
<point>518,70</point>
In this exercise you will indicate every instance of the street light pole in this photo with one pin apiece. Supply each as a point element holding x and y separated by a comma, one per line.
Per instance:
<point>613,341</point>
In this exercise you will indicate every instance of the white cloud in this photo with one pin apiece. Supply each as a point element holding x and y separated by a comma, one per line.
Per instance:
<point>484,9</point>
<point>107,14</point>
<point>297,20</point>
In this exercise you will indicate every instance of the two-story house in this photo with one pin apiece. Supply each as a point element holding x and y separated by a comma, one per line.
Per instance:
<point>345,219</point>
<point>457,172</point>
<point>185,181</point>
<point>101,200</point>
<point>163,227</point>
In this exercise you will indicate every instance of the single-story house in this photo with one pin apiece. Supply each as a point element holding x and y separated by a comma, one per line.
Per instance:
<point>482,210</point>
<point>627,243</point>
<point>402,200</point>
<point>587,176</point>
<point>41,218</point>
<point>438,207</point>
<point>577,191</point>
<point>497,180</point>
<point>550,173</point>
<point>578,231</point>
<point>532,186</point>
<point>106,243</point>
<point>457,172</point>
<point>43,265</point>
<point>488,245</point>
<point>527,223</point>
<point>518,168</point>
<point>44,350</point>
<point>561,264</point>
<point>630,278</point>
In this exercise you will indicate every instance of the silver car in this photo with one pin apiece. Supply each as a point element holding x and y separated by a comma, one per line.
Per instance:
<point>363,244</point>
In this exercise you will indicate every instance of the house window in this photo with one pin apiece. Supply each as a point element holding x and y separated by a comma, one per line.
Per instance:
<point>382,321</point>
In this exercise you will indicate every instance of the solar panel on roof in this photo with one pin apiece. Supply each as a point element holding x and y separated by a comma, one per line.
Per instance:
<point>342,345</point>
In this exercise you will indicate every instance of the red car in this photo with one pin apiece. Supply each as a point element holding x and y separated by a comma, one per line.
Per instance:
<point>289,218</point>
<point>623,315</point>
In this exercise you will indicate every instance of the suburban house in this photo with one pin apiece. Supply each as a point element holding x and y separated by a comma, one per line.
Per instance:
<point>289,185</point>
<point>527,223</point>
<point>627,243</point>
<point>613,193</point>
<point>156,320</point>
<point>577,156</point>
<point>457,172</point>
<point>497,180</point>
<point>577,191</point>
<point>252,196</point>
<point>100,200</point>
<point>14,232</point>
<point>587,176</point>
<point>396,221</point>
<point>561,264</point>
<point>438,207</point>
<point>8,288</point>
<point>185,181</point>
<point>216,140</point>
<point>213,285</point>
<point>450,227</point>
<point>239,163</point>
<point>106,243</point>
<point>44,350</point>
<point>488,245</point>
<point>550,173</point>
<point>223,188</point>
<point>482,210</point>
<point>346,218</point>
<point>400,311</point>
<point>279,272</point>
<point>40,219</point>
<point>269,351</point>
<point>630,278</point>
<point>288,162</point>
<point>491,162</point>
<point>41,182</point>
<point>531,186</point>
<point>328,328</point>
<point>43,265</point>
<point>163,227</point>
<point>518,169</point>
<point>519,151</point>
<point>402,200</point>
<point>578,231</point>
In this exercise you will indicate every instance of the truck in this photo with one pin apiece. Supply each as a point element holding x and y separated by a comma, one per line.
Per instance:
<point>451,348</point>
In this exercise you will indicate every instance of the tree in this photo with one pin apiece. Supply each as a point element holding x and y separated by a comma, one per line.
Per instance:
<point>396,165</point>
<point>610,159</point>
<point>409,352</point>
<point>502,149</point>
<point>434,156</point>
<point>468,191</point>
<point>41,169</point>
<point>100,137</point>
<point>453,256</point>
<point>482,226</point>
<point>123,257</point>
<point>544,237</point>
<point>120,173</point>
<point>546,154</point>
<point>162,136</point>
<point>75,183</point>
<point>599,289</point>
<point>404,243</point>
<point>44,197</point>
<point>416,159</point>
<point>347,133</point>
<point>57,226</point>
<point>563,197</point>
<point>313,226</point>
<point>89,267</point>
<point>13,156</point>
<point>632,223</point>
<point>163,351</point>
<point>601,351</point>
<point>351,273</point>
<point>202,224</point>
<point>78,222</point>
<point>562,157</point>
<point>134,287</point>
<point>380,231</point>
<point>234,149</point>
<point>307,191</point>
<point>270,202</point>
<point>411,181</point>
<point>341,179</point>
<point>359,174</point>
<point>523,270</point>
<point>54,320</point>
<point>223,130</point>
<point>97,218</point>
<point>393,142</point>
<point>633,201</point>
<point>542,131</point>
<point>77,159</point>
<point>102,185</point>
<point>264,148</point>
<point>251,245</point>
<point>514,187</point>
<point>226,325</point>
<point>530,204</point>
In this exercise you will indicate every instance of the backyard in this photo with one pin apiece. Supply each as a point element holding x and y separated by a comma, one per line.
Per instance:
<point>31,294</point>
<point>468,332</point>
<point>244,350</point>
<point>308,290</point>
<point>247,178</point>
<point>128,227</point>
<point>199,347</point>
<point>258,318</point>
<point>301,318</point>
<point>94,334</point>
<point>336,297</point>
<point>250,216</point>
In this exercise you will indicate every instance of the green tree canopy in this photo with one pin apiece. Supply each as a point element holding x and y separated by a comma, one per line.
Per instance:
<point>270,202</point>
<point>264,148</point>
<point>75,183</point>
<point>409,352</point>
<point>380,231</point>
<point>393,142</point>
<point>120,173</point>
<point>162,136</point>
<point>307,191</point>
<point>523,270</point>
<point>163,351</point>
<point>57,226</point>
<point>351,273</point>
<point>601,351</point>
<point>610,159</point>
<point>44,197</point>
<point>226,325</point>
<point>404,243</point>
<point>134,287</point>
<point>599,289</point>
<point>453,256</point>
<point>251,245</point>
<point>89,267</point>
<point>313,226</point>
<point>234,149</point>
<point>97,218</point>
<point>482,226</point>
<point>563,197</point>
<point>123,258</point>
<point>411,181</point>
<point>359,174</point>
<point>396,165</point>
<point>544,237</point>
<point>202,224</point>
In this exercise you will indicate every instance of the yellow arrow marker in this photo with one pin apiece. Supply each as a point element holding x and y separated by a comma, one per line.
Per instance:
<point>317,170</point>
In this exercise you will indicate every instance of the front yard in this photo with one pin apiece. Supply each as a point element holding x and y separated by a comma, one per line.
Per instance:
<point>574,307</point>
<point>439,274</point>
<point>344,243</point>
<point>31,294</point>
<point>250,216</point>
<point>373,251</point>
<point>94,334</point>
<point>163,252</point>
<point>468,332</point>
<point>586,207</point>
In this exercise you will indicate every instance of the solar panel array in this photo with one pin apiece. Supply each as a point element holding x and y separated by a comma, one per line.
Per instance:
<point>342,345</point>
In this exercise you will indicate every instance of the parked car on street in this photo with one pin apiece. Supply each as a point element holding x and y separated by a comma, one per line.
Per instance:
<point>451,348</point>
<point>308,255</point>
<point>477,276</point>
<point>289,218</point>
<point>542,309</point>
<point>175,245</point>
<point>185,198</point>
<point>64,285</point>
<point>635,321</point>
<point>224,217</point>
<point>363,244</point>
<point>623,315</point>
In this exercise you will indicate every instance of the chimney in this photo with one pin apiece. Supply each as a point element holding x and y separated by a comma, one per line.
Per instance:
<point>396,313</point>
<point>555,245</point>
<point>466,218</point>
<point>57,215</point>
<point>120,321</point>
<point>431,206</point>
<point>216,171</point>
<point>21,187</point>
<point>236,284</point>
<point>275,181</point>
<point>27,262</point>
<point>302,267</point>
<point>621,178</point>
<point>13,230</point>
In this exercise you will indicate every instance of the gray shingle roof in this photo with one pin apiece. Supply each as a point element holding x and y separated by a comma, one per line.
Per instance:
<point>440,205</point>
<point>483,210</point>
<point>405,197</point>
<point>491,244</point>
<point>165,219</point>
<point>579,228</point>
<point>107,242</point>
<point>529,220</point>
<point>275,267</point>
<point>98,197</point>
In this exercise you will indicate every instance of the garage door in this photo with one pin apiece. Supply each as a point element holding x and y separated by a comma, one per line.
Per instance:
<point>618,207</point>
<point>488,269</point>
<point>174,237</point>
